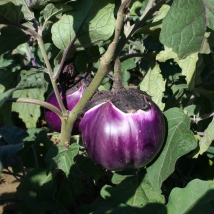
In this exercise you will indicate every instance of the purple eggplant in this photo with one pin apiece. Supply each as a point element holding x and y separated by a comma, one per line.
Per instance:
<point>122,130</point>
<point>69,100</point>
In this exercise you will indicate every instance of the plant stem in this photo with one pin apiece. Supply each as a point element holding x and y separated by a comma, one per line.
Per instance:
<point>148,13</point>
<point>145,56</point>
<point>105,65</point>
<point>37,102</point>
<point>55,87</point>
<point>117,85</point>
<point>203,117</point>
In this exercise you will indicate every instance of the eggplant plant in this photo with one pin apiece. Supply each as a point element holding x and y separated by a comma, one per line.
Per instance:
<point>107,106</point>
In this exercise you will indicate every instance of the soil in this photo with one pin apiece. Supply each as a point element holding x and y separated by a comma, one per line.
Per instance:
<point>8,185</point>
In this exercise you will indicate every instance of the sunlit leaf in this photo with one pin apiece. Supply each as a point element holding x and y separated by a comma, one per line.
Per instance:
<point>194,198</point>
<point>154,85</point>
<point>180,140</point>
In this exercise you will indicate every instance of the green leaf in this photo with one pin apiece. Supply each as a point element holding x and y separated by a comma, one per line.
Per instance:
<point>5,95</point>
<point>194,198</point>
<point>37,191</point>
<point>135,7</point>
<point>135,191</point>
<point>209,9</point>
<point>33,79</point>
<point>121,208</point>
<point>29,113</point>
<point>13,134</point>
<point>154,84</point>
<point>184,27</point>
<point>28,14</point>
<point>206,140</point>
<point>98,26</point>
<point>10,38</point>
<point>87,166</point>
<point>208,94</point>
<point>62,158</point>
<point>5,60</point>
<point>180,140</point>
<point>125,66</point>
<point>188,65</point>
<point>6,83</point>
<point>53,9</point>
<point>11,13</point>
<point>14,137</point>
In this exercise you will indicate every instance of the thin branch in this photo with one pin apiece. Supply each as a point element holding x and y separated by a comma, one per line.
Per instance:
<point>203,117</point>
<point>67,50</point>
<point>145,56</point>
<point>37,102</point>
<point>148,13</point>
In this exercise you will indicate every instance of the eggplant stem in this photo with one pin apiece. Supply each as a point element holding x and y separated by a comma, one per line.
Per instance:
<point>118,81</point>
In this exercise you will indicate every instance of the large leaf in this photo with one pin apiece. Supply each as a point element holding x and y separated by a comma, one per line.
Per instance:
<point>194,198</point>
<point>5,95</point>
<point>11,37</point>
<point>14,137</point>
<point>62,158</point>
<point>98,26</point>
<point>53,9</point>
<point>6,90</point>
<point>206,140</point>
<point>28,14</point>
<point>11,13</point>
<point>29,113</point>
<point>33,79</point>
<point>154,84</point>
<point>135,191</point>
<point>180,140</point>
<point>121,208</point>
<point>184,26</point>
<point>188,64</point>
<point>37,191</point>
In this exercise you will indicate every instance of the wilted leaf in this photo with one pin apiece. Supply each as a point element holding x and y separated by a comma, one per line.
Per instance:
<point>154,84</point>
<point>98,26</point>
<point>180,140</point>
<point>29,113</point>
<point>194,198</point>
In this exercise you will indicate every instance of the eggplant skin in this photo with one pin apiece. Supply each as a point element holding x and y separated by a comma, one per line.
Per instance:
<point>69,100</point>
<point>117,140</point>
